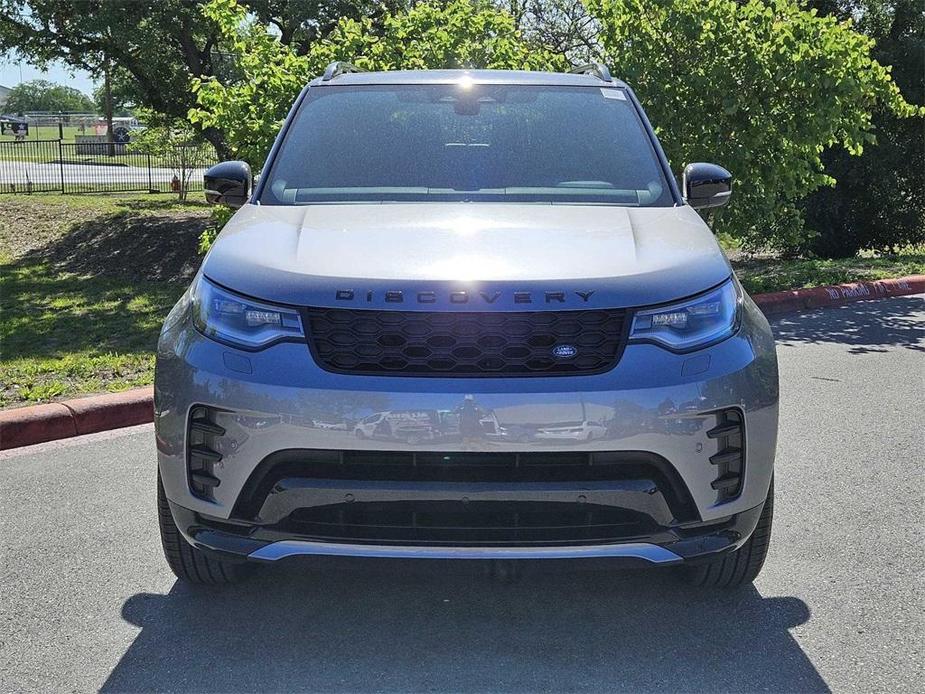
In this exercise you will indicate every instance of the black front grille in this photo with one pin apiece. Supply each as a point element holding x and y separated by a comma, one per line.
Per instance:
<point>425,343</point>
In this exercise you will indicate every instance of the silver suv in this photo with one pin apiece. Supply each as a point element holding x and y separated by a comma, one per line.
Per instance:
<point>466,315</point>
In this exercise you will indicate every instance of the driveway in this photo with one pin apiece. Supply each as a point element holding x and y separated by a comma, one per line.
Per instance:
<point>86,601</point>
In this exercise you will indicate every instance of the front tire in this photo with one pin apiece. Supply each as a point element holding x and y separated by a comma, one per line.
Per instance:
<point>188,563</point>
<point>742,566</point>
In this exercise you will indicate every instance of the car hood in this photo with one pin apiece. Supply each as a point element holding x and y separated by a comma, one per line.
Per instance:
<point>466,255</point>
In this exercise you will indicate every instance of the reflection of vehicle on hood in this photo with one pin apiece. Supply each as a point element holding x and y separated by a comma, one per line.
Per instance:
<point>264,422</point>
<point>517,432</point>
<point>331,426</point>
<point>477,423</point>
<point>410,426</point>
<point>571,431</point>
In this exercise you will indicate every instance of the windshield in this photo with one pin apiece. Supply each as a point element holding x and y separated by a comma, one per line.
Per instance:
<point>506,143</point>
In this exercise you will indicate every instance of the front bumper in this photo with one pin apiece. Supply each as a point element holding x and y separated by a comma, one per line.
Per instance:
<point>654,402</point>
<point>688,544</point>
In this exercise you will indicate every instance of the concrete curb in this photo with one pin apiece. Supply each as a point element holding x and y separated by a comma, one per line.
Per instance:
<point>40,423</point>
<point>818,297</point>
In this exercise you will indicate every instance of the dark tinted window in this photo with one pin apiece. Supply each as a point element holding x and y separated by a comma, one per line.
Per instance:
<point>476,142</point>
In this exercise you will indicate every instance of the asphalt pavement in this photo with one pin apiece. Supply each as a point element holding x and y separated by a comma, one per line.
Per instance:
<point>87,602</point>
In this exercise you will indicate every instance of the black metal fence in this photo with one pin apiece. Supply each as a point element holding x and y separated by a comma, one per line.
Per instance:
<point>53,166</point>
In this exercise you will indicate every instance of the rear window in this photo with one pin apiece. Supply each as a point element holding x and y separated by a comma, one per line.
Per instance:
<point>506,143</point>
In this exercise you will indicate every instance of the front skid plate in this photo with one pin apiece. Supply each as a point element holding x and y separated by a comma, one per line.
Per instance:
<point>635,550</point>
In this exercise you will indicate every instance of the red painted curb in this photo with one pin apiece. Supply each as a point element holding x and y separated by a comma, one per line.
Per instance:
<point>59,420</point>
<point>818,297</point>
<point>29,425</point>
<point>112,411</point>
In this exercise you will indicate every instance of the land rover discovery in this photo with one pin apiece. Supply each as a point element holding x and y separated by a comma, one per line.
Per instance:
<point>466,315</point>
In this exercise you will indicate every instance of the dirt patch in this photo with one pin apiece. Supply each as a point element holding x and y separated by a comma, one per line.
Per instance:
<point>150,247</point>
<point>133,239</point>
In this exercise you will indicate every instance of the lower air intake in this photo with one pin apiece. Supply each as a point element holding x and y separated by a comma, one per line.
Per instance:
<point>729,433</point>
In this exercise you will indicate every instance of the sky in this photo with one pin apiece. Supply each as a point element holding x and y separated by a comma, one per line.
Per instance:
<point>10,71</point>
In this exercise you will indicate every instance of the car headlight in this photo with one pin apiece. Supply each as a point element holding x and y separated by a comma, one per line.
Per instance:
<point>691,324</point>
<point>239,321</point>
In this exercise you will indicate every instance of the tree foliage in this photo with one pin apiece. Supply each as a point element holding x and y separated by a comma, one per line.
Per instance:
<point>760,86</point>
<point>175,144</point>
<point>458,34</point>
<point>878,202</point>
<point>565,26</point>
<point>41,95</point>
<point>299,23</point>
<point>157,46</point>
<point>269,75</point>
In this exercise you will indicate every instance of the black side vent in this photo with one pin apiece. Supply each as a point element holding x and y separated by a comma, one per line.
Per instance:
<point>729,459</point>
<point>201,453</point>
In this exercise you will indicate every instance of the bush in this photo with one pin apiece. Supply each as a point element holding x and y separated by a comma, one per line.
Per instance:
<point>878,202</point>
<point>762,87</point>
<point>218,219</point>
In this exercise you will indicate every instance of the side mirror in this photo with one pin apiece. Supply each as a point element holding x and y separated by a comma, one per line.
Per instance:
<point>228,183</point>
<point>706,185</point>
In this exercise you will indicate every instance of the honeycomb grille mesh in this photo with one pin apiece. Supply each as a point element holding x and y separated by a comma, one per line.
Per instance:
<point>464,344</point>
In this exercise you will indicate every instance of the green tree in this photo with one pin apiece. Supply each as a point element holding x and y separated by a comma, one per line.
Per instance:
<point>430,35</point>
<point>565,26</point>
<point>123,95</point>
<point>41,95</point>
<point>760,86</point>
<point>156,47</point>
<point>176,146</point>
<point>299,23</point>
<point>878,201</point>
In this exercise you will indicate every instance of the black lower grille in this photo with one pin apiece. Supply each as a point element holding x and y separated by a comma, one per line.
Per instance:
<point>435,468</point>
<point>421,343</point>
<point>478,524</point>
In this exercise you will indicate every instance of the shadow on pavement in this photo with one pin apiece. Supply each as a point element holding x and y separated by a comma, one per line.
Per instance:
<point>351,625</point>
<point>867,326</point>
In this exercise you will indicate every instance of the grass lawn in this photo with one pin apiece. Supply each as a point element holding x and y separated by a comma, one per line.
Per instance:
<point>50,132</point>
<point>760,275</point>
<point>85,282</point>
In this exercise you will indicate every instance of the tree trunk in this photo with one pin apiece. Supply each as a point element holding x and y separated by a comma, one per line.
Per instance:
<point>107,88</point>
<point>216,138</point>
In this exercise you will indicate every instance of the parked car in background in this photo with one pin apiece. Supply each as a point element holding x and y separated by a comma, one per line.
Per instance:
<point>571,431</point>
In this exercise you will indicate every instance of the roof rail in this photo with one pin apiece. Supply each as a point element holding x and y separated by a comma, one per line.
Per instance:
<point>598,69</point>
<point>337,68</point>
